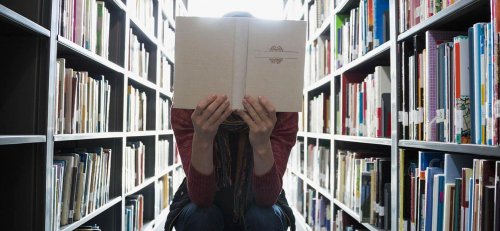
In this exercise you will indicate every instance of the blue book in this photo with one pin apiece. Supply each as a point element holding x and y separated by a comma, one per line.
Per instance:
<point>429,195</point>
<point>472,86</point>
<point>379,8</point>
<point>489,138</point>
<point>440,202</point>
<point>430,159</point>
<point>471,201</point>
<point>478,30</point>
<point>453,164</point>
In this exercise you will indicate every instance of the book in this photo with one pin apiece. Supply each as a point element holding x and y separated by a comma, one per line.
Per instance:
<point>497,197</point>
<point>237,57</point>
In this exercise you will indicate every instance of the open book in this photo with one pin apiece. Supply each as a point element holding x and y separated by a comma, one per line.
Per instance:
<point>238,56</point>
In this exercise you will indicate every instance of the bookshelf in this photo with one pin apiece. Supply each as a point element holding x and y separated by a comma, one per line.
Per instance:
<point>458,16</point>
<point>32,41</point>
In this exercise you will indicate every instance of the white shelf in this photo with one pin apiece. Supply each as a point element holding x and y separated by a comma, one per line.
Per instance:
<point>91,215</point>
<point>21,139</point>
<point>22,21</point>
<point>371,55</point>
<point>354,215</point>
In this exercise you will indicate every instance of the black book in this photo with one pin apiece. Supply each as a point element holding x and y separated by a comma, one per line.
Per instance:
<point>387,206</point>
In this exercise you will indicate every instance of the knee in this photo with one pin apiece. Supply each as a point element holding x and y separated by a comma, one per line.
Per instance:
<point>265,218</point>
<point>193,217</point>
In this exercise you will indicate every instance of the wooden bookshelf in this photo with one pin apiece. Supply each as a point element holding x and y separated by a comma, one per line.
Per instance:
<point>31,45</point>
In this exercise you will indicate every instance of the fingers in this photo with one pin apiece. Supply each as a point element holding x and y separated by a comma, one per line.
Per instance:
<point>253,108</point>
<point>203,104</point>
<point>216,116</point>
<point>212,107</point>
<point>268,106</point>
<point>224,115</point>
<point>248,120</point>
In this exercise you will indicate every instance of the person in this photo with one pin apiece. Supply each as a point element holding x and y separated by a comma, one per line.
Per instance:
<point>234,161</point>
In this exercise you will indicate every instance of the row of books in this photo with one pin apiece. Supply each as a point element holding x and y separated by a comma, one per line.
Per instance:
<point>138,56</point>
<point>82,102</point>
<point>318,215</point>
<point>344,222</point>
<point>134,164</point>
<point>164,122</point>
<point>81,181</point>
<point>363,29</point>
<point>412,12</point>
<point>450,91</point>
<point>165,74</point>
<point>319,12</point>
<point>136,109</point>
<point>142,11</point>
<point>296,159</point>
<point>448,192</point>
<point>362,179</point>
<point>318,60</point>
<point>316,209</point>
<point>178,176</point>
<point>319,113</point>
<point>166,36</point>
<point>294,188</point>
<point>134,212</point>
<point>162,155</point>
<point>318,165</point>
<point>164,193</point>
<point>365,103</point>
<point>86,23</point>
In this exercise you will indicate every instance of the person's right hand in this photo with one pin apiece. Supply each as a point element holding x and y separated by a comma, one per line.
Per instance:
<point>208,115</point>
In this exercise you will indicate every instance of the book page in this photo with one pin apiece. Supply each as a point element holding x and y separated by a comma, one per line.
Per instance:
<point>275,65</point>
<point>203,59</point>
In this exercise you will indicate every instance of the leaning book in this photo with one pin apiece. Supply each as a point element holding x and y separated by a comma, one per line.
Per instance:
<point>238,57</point>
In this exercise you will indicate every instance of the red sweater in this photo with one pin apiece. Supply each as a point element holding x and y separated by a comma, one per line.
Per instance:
<point>266,188</point>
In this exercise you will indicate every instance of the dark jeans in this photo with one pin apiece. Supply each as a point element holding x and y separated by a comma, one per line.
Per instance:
<point>256,218</point>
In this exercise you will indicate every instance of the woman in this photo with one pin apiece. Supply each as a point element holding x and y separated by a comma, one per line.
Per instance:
<point>234,162</point>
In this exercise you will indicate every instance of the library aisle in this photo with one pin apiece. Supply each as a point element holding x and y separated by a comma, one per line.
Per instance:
<point>399,128</point>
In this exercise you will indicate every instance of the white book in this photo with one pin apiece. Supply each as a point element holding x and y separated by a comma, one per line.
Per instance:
<point>238,56</point>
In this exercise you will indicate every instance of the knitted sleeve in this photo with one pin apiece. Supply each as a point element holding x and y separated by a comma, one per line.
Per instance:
<point>201,188</point>
<point>267,187</point>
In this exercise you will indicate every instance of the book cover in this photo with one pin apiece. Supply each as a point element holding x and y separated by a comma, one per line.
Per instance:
<point>488,210</point>
<point>238,56</point>
<point>453,165</point>
<point>457,205</point>
<point>437,206</point>
<point>449,193</point>
<point>379,9</point>
<point>429,196</point>
<point>67,186</point>
<point>430,159</point>
<point>465,199</point>
<point>432,40</point>
<point>462,86</point>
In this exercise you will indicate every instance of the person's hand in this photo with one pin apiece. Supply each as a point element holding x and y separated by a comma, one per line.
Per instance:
<point>260,115</point>
<point>208,115</point>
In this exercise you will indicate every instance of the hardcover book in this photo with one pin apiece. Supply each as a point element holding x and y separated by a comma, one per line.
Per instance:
<point>238,56</point>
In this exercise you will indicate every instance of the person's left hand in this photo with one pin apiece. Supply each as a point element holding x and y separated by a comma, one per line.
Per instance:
<point>260,115</point>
